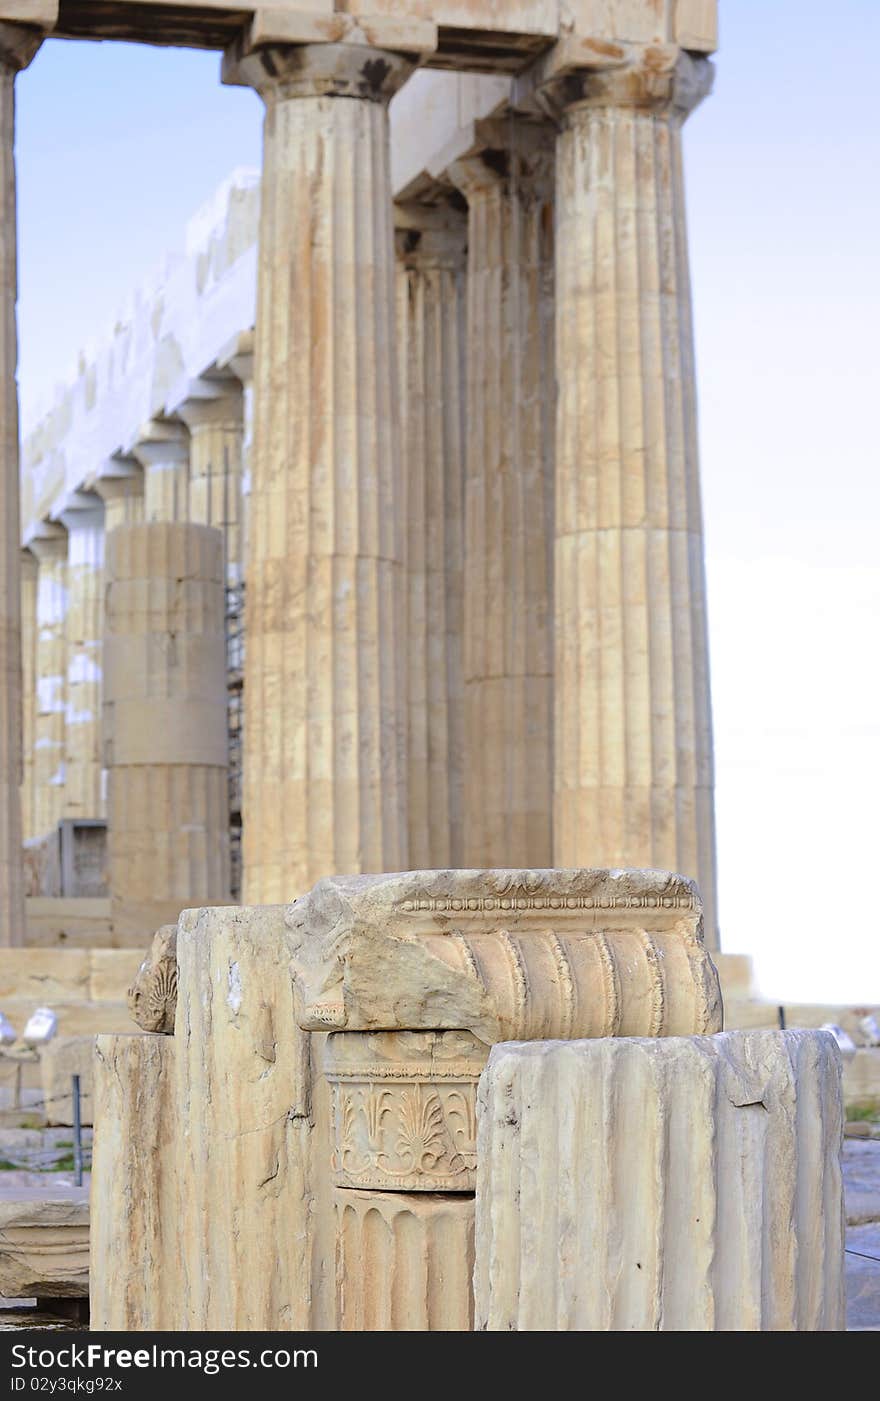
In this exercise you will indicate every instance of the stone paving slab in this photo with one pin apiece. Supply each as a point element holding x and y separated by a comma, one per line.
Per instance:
<point>39,1150</point>
<point>863,1277</point>
<point>861,1180</point>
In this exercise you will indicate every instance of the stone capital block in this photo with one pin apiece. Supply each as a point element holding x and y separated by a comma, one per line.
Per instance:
<point>19,42</point>
<point>279,71</point>
<point>687,1184</point>
<point>664,78</point>
<point>403,1108</point>
<point>504,954</point>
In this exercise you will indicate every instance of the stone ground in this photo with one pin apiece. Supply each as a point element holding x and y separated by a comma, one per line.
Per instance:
<point>861,1177</point>
<point>16,1314</point>
<point>39,1150</point>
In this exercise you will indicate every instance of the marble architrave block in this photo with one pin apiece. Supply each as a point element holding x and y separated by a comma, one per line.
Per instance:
<point>687,1183</point>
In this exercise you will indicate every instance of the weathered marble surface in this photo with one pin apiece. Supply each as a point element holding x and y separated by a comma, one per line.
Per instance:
<point>152,997</point>
<point>694,1184</point>
<point>506,954</point>
<point>44,1242</point>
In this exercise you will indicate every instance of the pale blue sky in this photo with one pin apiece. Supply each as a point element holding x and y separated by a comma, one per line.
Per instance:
<point>119,145</point>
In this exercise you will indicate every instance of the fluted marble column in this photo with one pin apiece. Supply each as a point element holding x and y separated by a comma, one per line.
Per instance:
<point>165,723</point>
<point>213,415</point>
<point>162,449</point>
<point>29,573</point>
<point>431,245</point>
<point>239,360</point>
<point>508,497</point>
<point>17,48</point>
<point>633,734</point>
<point>324,781</point>
<point>123,498</point>
<point>83,792</point>
<point>50,742</point>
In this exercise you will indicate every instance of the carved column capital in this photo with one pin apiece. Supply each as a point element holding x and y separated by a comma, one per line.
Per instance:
<point>211,403</point>
<point>112,488</point>
<point>659,78</point>
<point>505,153</point>
<point>50,545</point>
<point>160,441</point>
<point>430,236</point>
<point>282,71</point>
<point>18,44</point>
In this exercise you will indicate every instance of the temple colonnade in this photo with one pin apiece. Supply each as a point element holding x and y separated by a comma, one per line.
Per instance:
<point>423,525</point>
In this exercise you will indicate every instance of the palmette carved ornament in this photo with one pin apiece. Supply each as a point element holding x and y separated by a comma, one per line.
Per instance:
<point>403,1109</point>
<point>152,998</point>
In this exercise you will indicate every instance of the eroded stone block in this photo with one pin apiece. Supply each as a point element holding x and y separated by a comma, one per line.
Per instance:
<point>138,1220</point>
<point>44,1243</point>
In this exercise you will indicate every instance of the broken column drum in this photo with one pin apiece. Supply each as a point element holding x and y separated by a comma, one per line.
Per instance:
<point>694,1184</point>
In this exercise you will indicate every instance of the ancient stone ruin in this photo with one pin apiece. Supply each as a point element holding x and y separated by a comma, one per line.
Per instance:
<point>359,577</point>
